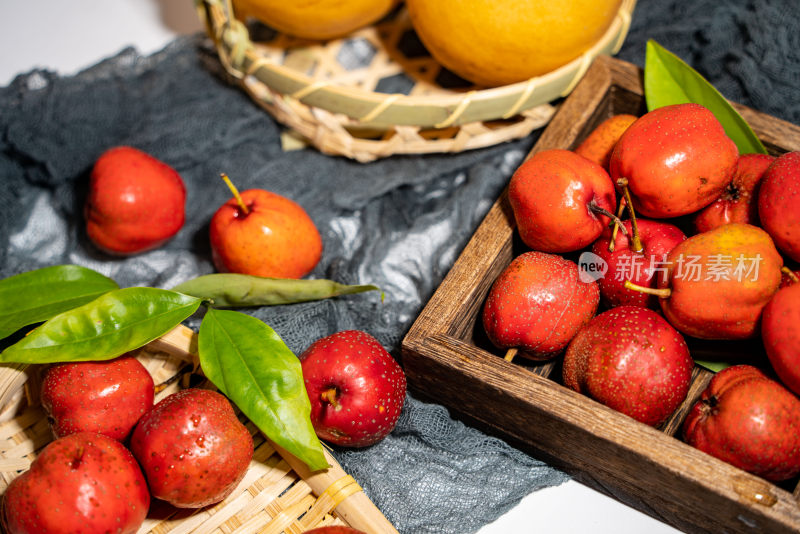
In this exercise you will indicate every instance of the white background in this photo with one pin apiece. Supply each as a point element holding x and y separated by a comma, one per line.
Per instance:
<point>68,36</point>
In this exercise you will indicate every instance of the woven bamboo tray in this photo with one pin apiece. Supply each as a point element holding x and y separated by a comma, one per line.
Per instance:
<point>278,493</point>
<point>447,357</point>
<point>342,110</point>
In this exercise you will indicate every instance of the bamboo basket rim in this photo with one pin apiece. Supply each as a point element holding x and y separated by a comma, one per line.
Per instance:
<point>241,60</point>
<point>278,493</point>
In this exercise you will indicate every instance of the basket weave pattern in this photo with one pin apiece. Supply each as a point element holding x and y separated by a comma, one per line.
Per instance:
<point>338,108</point>
<point>277,494</point>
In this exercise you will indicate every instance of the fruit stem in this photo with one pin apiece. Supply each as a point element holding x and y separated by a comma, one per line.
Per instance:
<point>622,183</point>
<point>612,244</point>
<point>236,195</point>
<point>788,272</point>
<point>597,209</point>
<point>663,293</point>
<point>510,353</point>
<point>174,378</point>
<point>330,396</point>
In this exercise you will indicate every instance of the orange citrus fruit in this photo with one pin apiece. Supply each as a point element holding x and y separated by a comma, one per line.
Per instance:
<point>314,19</point>
<point>498,42</point>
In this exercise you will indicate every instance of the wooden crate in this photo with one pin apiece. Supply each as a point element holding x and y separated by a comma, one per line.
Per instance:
<point>448,359</point>
<point>278,493</point>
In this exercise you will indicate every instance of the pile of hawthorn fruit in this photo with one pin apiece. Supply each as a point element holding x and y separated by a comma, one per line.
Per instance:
<point>115,450</point>
<point>699,245</point>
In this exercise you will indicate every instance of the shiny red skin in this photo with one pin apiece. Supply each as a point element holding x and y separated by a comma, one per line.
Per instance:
<point>721,308</point>
<point>192,448</point>
<point>550,195</point>
<point>739,200</point>
<point>136,202</point>
<point>84,482</point>
<point>369,385</point>
<point>642,268</point>
<point>780,332</point>
<point>632,360</point>
<point>677,160</point>
<point>748,420</point>
<point>276,238</point>
<point>107,397</point>
<point>537,304</point>
<point>334,529</point>
<point>779,203</point>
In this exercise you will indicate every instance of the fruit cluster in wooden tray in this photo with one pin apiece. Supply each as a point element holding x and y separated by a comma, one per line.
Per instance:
<point>449,356</point>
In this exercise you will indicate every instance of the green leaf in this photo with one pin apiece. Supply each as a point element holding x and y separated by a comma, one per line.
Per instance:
<point>713,366</point>
<point>35,296</point>
<point>232,290</point>
<point>111,325</point>
<point>669,80</point>
<point>253,367</point>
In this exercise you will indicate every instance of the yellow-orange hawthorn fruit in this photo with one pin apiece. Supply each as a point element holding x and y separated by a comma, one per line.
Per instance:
<point>600,142</point>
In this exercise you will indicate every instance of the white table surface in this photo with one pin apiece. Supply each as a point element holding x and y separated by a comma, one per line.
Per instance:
<point>68,36</point>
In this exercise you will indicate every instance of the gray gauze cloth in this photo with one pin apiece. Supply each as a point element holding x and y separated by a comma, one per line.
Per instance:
<point>398,223</point>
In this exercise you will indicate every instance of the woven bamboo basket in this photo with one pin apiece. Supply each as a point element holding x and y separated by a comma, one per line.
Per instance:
<point>278,493</point>
<point>342,110</point>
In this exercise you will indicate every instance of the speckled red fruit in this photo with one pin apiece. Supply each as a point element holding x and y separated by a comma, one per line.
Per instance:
<point>537,304</point>
<point>720,281</point>
<point>677,159</point>
<point>334,529</point>
<point>748,420</point>
<point>107,397</point>
<point>192,448</point>
<point>356,388</point>
<point>780,332</point>
<point>739,200</point>
<point>779,203</point>
<point>642,268</point>
<point>84,482</point>
<point>630,359</point>
<point>551,195</point>
<point>275,238</point>
<point>136,202</point>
